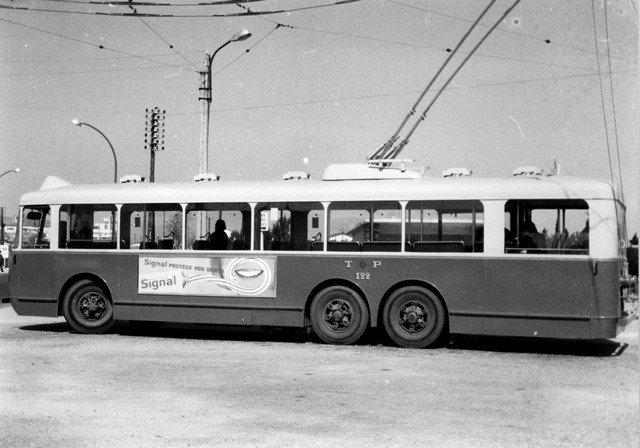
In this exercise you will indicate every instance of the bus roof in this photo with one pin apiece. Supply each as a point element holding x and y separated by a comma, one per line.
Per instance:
<point>463,188</point>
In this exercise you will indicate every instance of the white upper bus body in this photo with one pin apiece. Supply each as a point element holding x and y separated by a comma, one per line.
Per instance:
<point>606,213</point>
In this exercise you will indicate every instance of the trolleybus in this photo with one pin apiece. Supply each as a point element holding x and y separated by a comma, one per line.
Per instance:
<point>364,247</point>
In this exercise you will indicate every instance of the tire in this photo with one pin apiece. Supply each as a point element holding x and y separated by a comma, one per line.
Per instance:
<point>87,308</point>
<point>339,315</point>
<point>414,317</point>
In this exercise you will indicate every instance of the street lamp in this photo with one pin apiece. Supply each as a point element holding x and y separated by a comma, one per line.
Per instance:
<point>15,170</point>
<point>79,123</point>
<point>205,99</point>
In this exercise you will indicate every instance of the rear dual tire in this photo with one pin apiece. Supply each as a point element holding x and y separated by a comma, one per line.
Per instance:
<point>414,317</point>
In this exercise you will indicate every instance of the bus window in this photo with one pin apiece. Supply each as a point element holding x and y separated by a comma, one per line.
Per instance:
<point>445,226</point>
<point>368,226</point>
<point>201,224</point>
<point>547,226</point>
<point>87,226</point>
<point>36,224</point>
<point>289,225</point>
<point>151,226</point>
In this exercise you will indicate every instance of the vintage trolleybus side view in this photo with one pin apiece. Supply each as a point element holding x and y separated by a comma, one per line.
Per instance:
<point>420,257</point>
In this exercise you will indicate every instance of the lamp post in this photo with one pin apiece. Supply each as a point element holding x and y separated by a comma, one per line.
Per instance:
<point>79,123</point>
<point>205,100</point>
<point>15,170</point>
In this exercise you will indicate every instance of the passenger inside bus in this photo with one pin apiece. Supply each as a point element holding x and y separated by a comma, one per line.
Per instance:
<point>219,240</point>
<point>531,238</point>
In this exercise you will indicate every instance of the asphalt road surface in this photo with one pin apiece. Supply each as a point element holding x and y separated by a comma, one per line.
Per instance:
<point>200,386</point>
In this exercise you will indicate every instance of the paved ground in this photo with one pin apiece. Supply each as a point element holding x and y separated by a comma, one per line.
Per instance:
<point>201,386</point>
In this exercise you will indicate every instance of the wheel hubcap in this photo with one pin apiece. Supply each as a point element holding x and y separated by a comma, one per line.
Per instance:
<point>92,306</point>
<point>413,317</point>
<point>337,315</point>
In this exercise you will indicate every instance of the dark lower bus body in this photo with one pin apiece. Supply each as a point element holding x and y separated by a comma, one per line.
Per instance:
<point>339,295</point>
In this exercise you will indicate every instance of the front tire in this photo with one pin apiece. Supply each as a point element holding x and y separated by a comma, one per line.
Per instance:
<point>414,317</point>
<point>87,308</point>
<point>339,315</point>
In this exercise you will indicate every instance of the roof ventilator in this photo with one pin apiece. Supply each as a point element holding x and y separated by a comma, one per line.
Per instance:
<point>296,175</point>
<point>457,172</point>
<point>206,177</point>
<point>527,171</point>
<point>131,179</point>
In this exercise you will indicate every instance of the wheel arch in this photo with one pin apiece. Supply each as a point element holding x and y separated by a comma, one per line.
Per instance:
<point>78,278</point>
<point>413,282</point>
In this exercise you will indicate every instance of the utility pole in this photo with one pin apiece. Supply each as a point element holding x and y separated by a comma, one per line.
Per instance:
<point>153,141</point>
<point>205,99</point>
<point>205,111</point>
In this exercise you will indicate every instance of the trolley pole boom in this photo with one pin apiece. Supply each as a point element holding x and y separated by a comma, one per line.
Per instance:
<point>385,152</point>
<point>381,153</point>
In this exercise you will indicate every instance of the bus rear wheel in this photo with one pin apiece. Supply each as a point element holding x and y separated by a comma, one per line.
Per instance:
<point>413,317</point>
<point>339,315</point>
<point>87,308</point>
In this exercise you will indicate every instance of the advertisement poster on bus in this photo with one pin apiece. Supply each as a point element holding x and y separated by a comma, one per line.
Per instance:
<point>210,276</point>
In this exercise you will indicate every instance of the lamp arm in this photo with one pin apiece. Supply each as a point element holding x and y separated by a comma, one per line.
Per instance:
<point>115,159</point>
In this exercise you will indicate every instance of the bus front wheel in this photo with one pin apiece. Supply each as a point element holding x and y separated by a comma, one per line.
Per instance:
<point>339,315</point>
<point>413,317</point>
<point>87,308</point>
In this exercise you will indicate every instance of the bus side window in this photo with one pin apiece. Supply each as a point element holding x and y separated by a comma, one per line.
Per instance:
<point>36,224</point>
<point>87,226</point>
<point>445,226</point>
<point>201,225</point>
<point>151,226</point>
<point>289,226</point>
<point>559,227</point>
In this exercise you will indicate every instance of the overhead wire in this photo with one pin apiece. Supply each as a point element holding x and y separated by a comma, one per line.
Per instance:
<point>168,43</point>
<point>408,44</point>
<point>393,94</point>
<point>432,47</point>
<point>613,102</point>
<point>146,3</point>
<point>101,47</point>
<point>131,14</point>
<point>502,30</point>
<point>245,53</point>
<point>602,100</point>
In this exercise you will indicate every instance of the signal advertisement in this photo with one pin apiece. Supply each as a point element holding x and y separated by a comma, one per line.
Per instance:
<point>207,276</point>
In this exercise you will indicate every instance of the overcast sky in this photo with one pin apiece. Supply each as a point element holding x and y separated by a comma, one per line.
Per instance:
<point>317,86</point>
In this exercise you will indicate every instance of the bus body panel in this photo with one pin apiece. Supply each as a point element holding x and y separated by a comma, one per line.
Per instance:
<point>575,300</point>
<point>561,307</point>
<point>31,280</point>
<point>202,308</point>
<point>298,275</point>
<point>376,275</point>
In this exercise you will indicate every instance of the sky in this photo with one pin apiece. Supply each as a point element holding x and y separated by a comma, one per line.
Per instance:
<point>321,82</point>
